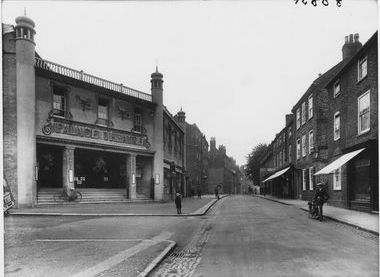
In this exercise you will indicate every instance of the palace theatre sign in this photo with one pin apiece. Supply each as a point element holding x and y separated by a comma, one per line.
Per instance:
<point>94,132</point>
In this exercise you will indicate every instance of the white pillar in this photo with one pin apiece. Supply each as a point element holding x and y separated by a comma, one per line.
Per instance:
<point>131,175</point>
<point>68,168</point>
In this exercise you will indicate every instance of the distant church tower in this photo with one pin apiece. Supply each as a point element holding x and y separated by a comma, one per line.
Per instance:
<point>26,110</point>
<point>158,142</point>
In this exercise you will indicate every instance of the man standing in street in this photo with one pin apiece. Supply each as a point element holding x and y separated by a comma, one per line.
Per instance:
<point>320,197</point>
<point>217,192</point>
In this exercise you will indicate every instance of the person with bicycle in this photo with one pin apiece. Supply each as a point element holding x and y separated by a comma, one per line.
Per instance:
<point>320,197</point>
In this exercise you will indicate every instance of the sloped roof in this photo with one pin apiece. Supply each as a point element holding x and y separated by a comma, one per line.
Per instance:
<point>7,28</point>
<point>167,112</point>
<point>322,81</point>
<point>370,41</point>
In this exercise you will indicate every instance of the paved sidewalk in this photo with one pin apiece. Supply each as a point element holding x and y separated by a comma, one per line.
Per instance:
<point>190,206</point>
<point>366,221</point>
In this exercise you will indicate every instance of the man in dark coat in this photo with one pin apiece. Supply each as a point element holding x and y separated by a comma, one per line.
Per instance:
<point>216,192</point>
<point>178,203</point>
<point>320,197</point>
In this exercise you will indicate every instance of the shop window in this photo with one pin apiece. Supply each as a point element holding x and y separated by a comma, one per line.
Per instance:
<point>304,179</point>
<point>59,101</point>
<point>137,121</point>
<point>337,179</point>
<point>102,112</point>
<point>310,105</point>
<point>362,68</point>
<point>336,126</point>
<point>364,113</point>
<point>311,178</point>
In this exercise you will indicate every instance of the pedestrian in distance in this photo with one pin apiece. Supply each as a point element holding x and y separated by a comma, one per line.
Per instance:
<point>216,193</point>
<point>320,197</point>
<point>178,203</point>
<point>199,192</point>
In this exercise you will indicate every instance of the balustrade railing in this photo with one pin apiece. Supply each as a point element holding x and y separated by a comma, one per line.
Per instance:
<point>80,75</point>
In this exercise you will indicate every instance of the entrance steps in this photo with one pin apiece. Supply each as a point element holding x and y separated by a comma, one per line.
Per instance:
<point>89,195</point>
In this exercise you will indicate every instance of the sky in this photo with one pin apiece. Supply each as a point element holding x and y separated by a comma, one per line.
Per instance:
<point>235,67</point>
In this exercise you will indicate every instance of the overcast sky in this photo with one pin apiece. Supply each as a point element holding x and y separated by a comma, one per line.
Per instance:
<point>235,67</point>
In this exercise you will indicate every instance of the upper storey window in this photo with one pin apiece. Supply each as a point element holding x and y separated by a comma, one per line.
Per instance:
<point>59,101</point>
<point>298,118</point>
<point>102,111</point>
<point>336,88</point>
<point>362,70</point>
<point>310,105</point>
<point>303,113</point>
<point>364,113</point>
<point>138,121</point>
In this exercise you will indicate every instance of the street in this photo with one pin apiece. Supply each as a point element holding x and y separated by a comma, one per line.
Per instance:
<point>240,236</point>
<point>245,236</point>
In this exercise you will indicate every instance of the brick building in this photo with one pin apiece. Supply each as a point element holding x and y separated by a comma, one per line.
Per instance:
<point>311,116</point>
<point>64,128</point>
<point>197,158</point>
<point>282,182</point>
<point>174,155</point>
<point>352,131</point>
<point>266,170</point>
<point>222,170</point>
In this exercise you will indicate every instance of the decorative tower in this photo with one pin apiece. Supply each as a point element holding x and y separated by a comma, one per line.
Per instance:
<point>158,141</point>
<point>181,117</point>
<point>26,109</point>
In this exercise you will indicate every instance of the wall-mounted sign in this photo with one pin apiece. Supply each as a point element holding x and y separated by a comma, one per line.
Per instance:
<point>89,131</point>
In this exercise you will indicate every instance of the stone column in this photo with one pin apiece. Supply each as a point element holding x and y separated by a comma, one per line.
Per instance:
<point>26,110</point>
<point>68,168</point>
<point>131,169</point>
<point>158,140</point>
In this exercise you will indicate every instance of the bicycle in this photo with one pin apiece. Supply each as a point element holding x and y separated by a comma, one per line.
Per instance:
<point>74,196</point>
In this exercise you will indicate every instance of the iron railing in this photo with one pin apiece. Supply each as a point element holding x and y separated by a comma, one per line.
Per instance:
<point>80,75</point>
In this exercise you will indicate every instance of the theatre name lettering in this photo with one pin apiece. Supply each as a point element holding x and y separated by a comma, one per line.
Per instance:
<point>94,133</point>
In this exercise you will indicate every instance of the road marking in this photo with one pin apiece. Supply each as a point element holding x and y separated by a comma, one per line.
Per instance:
<point>123,255</point>
<point>88,240</point>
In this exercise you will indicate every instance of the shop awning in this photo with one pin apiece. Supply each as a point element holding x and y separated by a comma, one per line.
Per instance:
<point>278,173</point>
<point>338,162</point>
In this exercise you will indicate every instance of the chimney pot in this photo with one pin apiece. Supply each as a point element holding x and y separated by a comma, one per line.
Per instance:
<point>356,37</point>
<point>346,39</point>
<point>351,38</point>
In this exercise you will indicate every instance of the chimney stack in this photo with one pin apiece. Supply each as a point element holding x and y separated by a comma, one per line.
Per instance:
<point>351,46</point>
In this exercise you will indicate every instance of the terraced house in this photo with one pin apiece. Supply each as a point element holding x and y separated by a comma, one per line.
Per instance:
<point>311,125</point>
<point>352,131</point>
<point>281,183</point>
<point>66,129</point>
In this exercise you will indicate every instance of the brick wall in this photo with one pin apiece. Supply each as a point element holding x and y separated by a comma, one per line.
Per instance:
<point>346,103</point>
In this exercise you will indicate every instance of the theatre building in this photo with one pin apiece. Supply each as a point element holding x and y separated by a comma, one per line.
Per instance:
<point>66,129</point>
